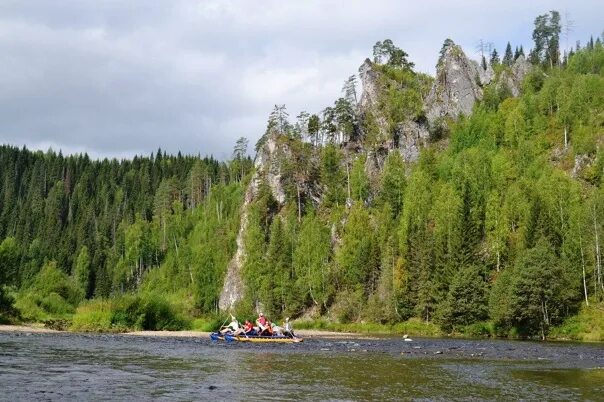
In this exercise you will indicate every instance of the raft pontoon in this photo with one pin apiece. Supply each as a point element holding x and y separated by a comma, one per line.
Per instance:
<point>216,336</point>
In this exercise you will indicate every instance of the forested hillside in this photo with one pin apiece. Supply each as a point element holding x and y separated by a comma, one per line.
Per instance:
<point>73,228</point>
<point>477,208</point>
<point>498,220</point>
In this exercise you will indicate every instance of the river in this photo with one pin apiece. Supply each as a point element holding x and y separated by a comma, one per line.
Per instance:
<point>119,367</point>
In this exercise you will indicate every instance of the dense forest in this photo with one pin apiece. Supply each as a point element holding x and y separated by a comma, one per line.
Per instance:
<point>75,229</point>
<point>495,229</point>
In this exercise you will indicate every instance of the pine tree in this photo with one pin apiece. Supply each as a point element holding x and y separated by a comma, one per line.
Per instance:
<point>494,61</point>
<point>508,58</point>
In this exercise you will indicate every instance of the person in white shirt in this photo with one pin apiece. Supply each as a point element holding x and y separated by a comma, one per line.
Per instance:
<point>288,328</point>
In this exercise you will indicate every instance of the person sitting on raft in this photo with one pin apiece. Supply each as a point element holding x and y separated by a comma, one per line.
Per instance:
<point>288,329</point>
<point>261,323</point>
<point>268,330</point>
<point>277,330</point>
<point>231,328</point>
<point>248,328</point>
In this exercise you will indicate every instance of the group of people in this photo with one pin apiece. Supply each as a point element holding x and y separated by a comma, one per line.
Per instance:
<point>263,327</point>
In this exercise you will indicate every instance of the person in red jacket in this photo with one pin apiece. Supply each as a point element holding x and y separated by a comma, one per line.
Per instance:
<point>261,323</point>
<point>248,328</point>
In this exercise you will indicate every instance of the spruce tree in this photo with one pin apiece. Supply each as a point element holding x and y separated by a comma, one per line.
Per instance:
<point>494,61</point>
<point>508,58</point>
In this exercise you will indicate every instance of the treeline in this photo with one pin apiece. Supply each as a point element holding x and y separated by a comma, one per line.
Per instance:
<point>498,227</point>
<point>77,228</point>
<point>504,225</point>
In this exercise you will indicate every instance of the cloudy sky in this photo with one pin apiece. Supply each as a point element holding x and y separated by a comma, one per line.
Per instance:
<point>118,78</point>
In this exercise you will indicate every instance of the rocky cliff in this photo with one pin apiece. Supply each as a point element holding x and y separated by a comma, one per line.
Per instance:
<point>370,95</point>
<point>459,84</point>
<point>268,169</point>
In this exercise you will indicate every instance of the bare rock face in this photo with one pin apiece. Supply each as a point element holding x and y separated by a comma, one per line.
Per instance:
<point>266,168</point>
<point>458,85</point>
<point>412,137</point>
<point>369,81</point>
<point>513,79</point>
<point>369,102</point>
<point>233,289</point>
<point>582,161</point>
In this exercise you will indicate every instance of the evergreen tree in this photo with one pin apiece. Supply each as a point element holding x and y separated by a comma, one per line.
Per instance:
<point>466,302</point>
<point>82,272</point>
<point>508,58</point>
<point>494,61</point>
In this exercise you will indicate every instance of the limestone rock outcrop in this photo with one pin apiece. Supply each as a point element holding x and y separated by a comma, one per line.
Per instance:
<point>266,167</point>
<point>458,84</point>
<point>514,77</point>
<point>412,136</point>
<point>369,102</point>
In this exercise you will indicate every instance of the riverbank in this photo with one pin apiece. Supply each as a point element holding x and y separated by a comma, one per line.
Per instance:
<point>587,326</point>
<point>27,328</point>
<point>303,333</point>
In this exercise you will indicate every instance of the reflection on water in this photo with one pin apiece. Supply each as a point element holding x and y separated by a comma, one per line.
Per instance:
<point>93,367</point>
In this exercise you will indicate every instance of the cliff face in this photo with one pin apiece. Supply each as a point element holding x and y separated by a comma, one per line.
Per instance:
<point>458,85</point>
<point>513,78</point>
<point>267,168</point>
<point>370,97</point>
<point>411,135</point>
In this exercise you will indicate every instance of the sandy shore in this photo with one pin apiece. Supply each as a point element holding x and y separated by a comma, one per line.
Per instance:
<point>303,333</point>
<point>26,328</point>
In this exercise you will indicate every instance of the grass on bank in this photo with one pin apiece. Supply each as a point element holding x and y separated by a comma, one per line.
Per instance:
<point>587,326</point>
<point>414,327</point>
<point>129,313</point>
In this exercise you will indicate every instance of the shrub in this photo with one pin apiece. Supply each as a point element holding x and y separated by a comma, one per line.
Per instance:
<point>128,313</point>
<point>28,305</point>
<point>93,316</point>
<point>7,311</point>
<point>347,306</point>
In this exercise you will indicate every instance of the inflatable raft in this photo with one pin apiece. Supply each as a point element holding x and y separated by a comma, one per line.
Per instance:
<point>216,336</point>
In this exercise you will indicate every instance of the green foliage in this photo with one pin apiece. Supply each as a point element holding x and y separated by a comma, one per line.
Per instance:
<point>51,280</point>
<point>333,176</point>
<point>588,325</point>
<point>394,56</point>
<point>311,261</point>
<point>546,36</point>
<point>466,302</point>
<point>82,271</point>
<point>348,305</point>
<point>392,186</point>
<point>535,295</point>
<point>356,257</point>
<point>52,294</point>
<point>359,182</point>
<point>128,313</point>
<point>402,95</point>
<point>506,206</point>
<point>7,311</point>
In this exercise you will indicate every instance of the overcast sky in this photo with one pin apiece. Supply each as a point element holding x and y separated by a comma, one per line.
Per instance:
<point>118,78</point>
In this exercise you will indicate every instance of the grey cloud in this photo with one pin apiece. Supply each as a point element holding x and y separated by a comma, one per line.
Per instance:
<point>116,78</point>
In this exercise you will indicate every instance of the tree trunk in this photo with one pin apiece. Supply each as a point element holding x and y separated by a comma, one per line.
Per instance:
<point>598,256</point>
<point>175,245</point>
<point>565,136</point>
<point>583,269</point>
<point>347,177</point>
<point>299,204</point>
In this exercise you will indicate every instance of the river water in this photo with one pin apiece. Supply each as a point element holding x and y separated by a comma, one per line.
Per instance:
<point>120,367</point>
